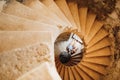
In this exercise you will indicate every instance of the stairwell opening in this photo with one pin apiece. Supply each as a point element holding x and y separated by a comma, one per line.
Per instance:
<point>69,48</point>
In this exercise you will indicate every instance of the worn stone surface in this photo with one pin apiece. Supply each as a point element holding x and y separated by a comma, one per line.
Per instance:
<point>15,63</point>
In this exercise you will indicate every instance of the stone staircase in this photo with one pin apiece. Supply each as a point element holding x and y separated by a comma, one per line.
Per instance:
<point>31,28</point>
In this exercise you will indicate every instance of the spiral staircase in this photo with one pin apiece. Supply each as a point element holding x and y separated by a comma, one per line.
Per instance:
<point>53,21</point>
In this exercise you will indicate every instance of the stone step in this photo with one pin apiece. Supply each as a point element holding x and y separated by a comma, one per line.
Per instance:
<point>105,61</point>
<point>17,39</point>
<point>102,52</point>
<point>74,10</point>
<point>72,63</point>
<point>82,73</point>
<point>62,72</point>
<point>99,45</point>
<point>70,73</point>
<point>76,74</point>
<point>95,28</point>
<point>89,22</point>
<point>40,72</point>
<point>83,17</point>
<point>62,4</point>
<point>20,10</point>
<point>94,75</point>
<point>53,7</point>
<point>102,33</point>
<point>39,7</point>
<point>56,62</point>
<point>66,75</point>
<point>59,68</point>
<point>14,23</point>
<point>98,68</point>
